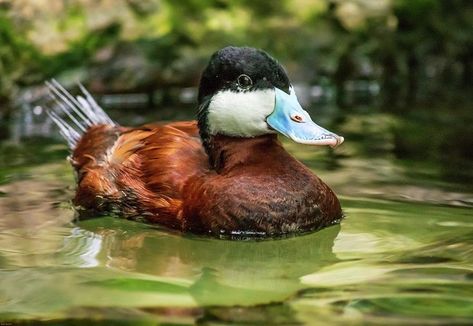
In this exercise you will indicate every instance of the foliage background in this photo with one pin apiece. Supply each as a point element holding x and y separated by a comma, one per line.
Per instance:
<point>419,53</point>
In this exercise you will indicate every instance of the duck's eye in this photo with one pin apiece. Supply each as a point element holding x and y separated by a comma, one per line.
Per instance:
<point>244,81</point>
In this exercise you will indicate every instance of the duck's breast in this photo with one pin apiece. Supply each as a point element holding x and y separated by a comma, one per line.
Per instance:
<point>274,198</point>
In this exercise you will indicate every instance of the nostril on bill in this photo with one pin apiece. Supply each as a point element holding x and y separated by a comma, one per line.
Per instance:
<point>296,118</point>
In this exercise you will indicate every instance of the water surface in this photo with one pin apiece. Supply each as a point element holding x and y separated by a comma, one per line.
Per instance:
<point>403,254</point>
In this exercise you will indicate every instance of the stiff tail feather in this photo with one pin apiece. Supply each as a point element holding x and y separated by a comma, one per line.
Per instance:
<point>74,115</point>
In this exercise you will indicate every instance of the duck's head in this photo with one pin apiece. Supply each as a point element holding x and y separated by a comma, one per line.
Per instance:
<point>244,92</point>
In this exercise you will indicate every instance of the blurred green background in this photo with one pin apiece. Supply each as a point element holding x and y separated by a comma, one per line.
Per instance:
<point>408,62</point>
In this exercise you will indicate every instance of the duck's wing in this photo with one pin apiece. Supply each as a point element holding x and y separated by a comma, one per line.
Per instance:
<point>164,163</point>
<point>139,171</point>
<point>98,158</point>
<point>172,155</point>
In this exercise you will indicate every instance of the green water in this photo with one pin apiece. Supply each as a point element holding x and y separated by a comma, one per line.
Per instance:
<point>403,255</point>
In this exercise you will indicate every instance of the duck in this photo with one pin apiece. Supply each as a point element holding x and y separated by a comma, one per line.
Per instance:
<point>225,173</point>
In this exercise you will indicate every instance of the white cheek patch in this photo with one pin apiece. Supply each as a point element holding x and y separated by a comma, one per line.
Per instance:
<point>241,114</point>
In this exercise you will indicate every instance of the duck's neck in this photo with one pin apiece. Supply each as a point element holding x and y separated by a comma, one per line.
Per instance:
<point>227,152</point>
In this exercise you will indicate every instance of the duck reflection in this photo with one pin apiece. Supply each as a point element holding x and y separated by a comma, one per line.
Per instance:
<point>222,272</point>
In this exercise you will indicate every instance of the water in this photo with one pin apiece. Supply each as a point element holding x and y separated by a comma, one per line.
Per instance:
<point>403,255</point>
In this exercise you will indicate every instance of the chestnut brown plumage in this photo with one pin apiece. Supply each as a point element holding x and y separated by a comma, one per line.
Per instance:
<point>163,174</point>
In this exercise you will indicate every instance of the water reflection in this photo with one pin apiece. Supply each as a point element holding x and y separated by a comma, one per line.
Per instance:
<point>217,267</point>
<point>114,263</point>
<point>81,248</point>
